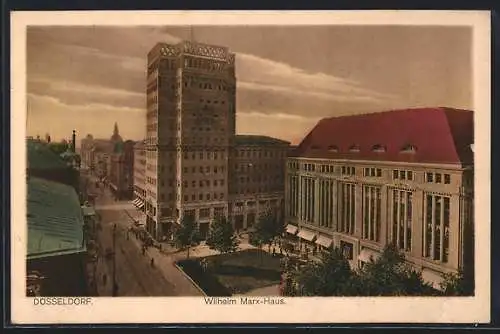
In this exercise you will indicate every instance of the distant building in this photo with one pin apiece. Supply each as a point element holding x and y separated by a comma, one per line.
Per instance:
<point>191,120</point>
<point>403,177</point>
<point>56,251</point>
<point>257,176</point>
<point>121,173</point>
<point>139,175</point>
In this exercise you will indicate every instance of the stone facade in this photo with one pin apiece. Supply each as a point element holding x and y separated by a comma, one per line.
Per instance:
<point>191,117</point>
<point>361,205</point>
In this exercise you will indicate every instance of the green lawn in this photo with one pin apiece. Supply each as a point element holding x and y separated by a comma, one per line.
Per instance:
<point>246,270</point>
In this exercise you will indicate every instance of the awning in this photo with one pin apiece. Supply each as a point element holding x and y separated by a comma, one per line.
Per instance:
<point>324,241</point>
<point>292,229</point>
<point>432,277</point>
<point>141,205</point>
<point>306,235</point>
<point>367,254</point>
<point>137,201</point>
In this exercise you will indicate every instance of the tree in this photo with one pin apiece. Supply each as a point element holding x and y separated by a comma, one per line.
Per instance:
<point>222,237</point>
<point>266,230</point>
<point>330,276</point>
<point>390,275</point>
<point>187,235</point>
<point>456,284</point>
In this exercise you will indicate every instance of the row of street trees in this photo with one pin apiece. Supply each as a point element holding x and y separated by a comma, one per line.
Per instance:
<point>389,275</point>
<point>222,236</point>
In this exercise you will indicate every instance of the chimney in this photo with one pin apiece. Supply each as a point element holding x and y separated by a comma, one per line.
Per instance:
<point>73,142</point>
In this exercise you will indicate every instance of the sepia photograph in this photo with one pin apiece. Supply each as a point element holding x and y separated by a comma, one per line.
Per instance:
<point>253,164</point>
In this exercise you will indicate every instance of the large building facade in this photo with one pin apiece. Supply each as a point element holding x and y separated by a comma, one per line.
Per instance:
<point>191,117</point>
<point>403,177</point>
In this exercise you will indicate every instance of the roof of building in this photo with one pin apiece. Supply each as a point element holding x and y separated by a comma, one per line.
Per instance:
<point>55,220</point>
<point>258,140</point>
<point>41,157</point>
<point>420,135</point>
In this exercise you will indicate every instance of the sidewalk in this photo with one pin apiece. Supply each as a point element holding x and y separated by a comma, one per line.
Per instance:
<point>165,263</point>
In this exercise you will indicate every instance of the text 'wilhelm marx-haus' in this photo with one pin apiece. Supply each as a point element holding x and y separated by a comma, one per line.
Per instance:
<point>192,162</point>
<point>403,177</point>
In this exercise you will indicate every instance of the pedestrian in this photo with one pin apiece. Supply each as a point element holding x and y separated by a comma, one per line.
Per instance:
<point>274,251</point>
<point>152,262</point>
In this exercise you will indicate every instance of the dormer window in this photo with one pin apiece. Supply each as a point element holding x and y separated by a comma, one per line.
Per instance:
<point>378,148</point>
<point>333,148</point>
<point>409,149</point>
<point>354,148</point>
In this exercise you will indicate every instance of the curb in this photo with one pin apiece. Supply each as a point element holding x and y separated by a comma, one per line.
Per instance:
<point>190,279</point>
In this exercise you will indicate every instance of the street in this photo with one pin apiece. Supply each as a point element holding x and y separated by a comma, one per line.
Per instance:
<point>134,274</point>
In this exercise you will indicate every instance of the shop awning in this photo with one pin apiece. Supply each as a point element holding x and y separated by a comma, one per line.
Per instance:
<point>324,241</point>
<point>306,234</point>
<point>292,229</point>
<point>367,254</point>
<point>141,205</point>
<point>432,277</point>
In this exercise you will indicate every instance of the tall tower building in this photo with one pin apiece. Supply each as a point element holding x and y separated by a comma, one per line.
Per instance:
<point>191,96</point>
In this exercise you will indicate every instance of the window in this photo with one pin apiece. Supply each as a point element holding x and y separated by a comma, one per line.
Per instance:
<point>437,228</point>
<point>438,178</point>
<point>333,148</point>
<point>193,184</point>
<point>371,213</point>
<point>208,197</point>
<point>378,148</point>
<point>354,148</point>
<point>409,174</point>
<point>402,219</point>
<point>429,177</point>
<point>402,174</point>
<point>204,213</point>
<point>347,208</point>
<point>395,174</point>
<point>200,197</point>
<point>185,198</point>
<point>447,179</point>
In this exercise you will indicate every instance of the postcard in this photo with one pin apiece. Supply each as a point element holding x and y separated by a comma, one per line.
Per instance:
<point>250,167</point>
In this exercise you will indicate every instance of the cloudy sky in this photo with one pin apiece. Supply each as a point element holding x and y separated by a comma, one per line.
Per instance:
<point>86,78</point>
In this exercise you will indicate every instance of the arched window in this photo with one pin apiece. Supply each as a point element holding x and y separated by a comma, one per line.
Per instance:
<point>333,148</point>
<point>378,148</point>
<point>409,148</point>
<point>354,148</point>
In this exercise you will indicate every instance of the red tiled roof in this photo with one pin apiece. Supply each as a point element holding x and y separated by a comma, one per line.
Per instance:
<point>439,135</point>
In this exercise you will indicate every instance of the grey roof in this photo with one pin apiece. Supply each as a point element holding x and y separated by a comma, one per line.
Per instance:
<point>41,157</point>
<point>55,220</point>
<point>258,140</point>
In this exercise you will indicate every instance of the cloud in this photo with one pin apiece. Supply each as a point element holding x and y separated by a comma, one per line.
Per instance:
<point>99,73</point>
<point>34,100</point>
<point>264,74</point>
